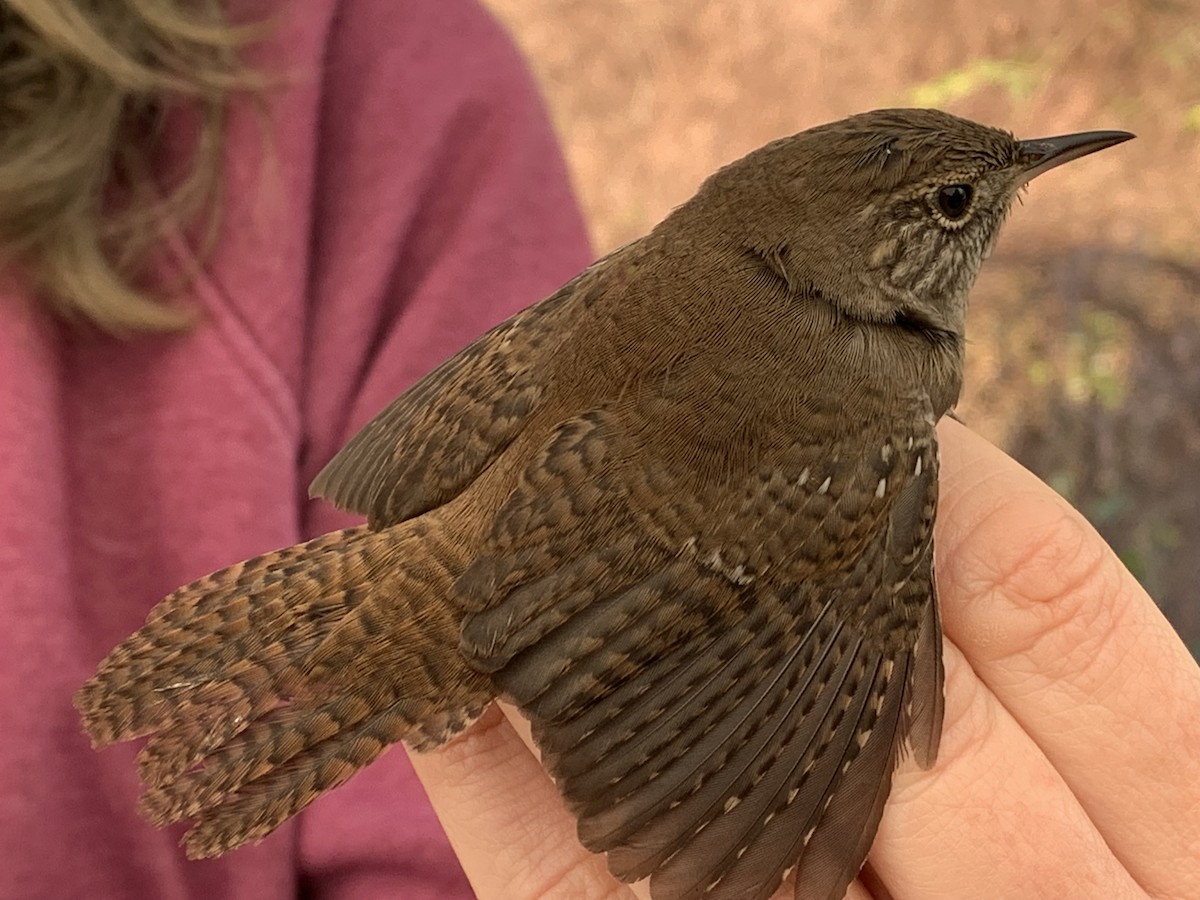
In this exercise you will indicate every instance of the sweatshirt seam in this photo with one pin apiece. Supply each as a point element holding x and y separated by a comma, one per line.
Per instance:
<point>246,350</point>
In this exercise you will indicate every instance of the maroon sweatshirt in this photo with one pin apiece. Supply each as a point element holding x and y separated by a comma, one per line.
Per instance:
<point>408,195</point>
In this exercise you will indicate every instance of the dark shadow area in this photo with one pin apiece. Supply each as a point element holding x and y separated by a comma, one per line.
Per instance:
<point>1107,371</point>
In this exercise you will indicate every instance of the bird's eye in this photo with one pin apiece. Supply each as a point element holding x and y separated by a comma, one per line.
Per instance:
<point>954,200</point>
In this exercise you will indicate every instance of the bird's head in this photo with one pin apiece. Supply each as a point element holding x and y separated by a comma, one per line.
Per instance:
<point>888,215</point>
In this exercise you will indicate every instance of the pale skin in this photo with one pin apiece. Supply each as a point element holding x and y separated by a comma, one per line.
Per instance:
<point>1070,761</point>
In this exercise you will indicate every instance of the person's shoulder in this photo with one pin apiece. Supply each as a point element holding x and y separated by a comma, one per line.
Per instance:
<point>458,38</point>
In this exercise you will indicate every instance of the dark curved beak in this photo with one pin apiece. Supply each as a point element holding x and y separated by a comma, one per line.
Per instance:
<point>1043,154</point>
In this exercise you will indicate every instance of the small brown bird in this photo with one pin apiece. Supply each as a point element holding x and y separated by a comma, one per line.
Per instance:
<point>680,513</point>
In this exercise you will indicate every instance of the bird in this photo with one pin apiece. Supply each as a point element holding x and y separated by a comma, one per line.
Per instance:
<point>679,513</point>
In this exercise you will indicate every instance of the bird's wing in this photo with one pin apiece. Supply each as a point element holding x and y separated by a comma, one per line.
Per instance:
<point>435,438</point>
<point>721,682</point>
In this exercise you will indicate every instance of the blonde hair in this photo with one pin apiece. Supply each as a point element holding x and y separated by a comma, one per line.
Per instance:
<point>84,85</point>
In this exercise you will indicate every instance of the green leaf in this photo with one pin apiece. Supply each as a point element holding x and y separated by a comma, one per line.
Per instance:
<point>1018,78</point>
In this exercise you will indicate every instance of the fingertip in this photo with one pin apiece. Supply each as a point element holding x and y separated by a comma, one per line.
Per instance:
<point>1075,650</point>
<point>505,819</point>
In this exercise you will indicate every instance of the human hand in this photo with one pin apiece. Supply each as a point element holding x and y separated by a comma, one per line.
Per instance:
<point>1070,759</point>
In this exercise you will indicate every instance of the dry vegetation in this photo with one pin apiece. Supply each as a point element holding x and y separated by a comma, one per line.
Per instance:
<point>1094,378</point>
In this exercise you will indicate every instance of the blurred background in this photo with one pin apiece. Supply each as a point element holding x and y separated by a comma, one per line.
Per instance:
<point>1085,327</point>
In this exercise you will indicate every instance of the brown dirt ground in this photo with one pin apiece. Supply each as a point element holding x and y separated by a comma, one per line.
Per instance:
<point>1094,379</point>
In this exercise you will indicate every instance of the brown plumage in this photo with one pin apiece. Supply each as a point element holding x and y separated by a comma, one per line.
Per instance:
<point>680,513</point>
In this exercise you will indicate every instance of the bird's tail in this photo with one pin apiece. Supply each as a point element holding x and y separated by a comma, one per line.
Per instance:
<point>265,684</point>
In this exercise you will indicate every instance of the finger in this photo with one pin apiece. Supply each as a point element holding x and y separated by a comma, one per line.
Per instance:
<point>992,818</point>
<point>1079,655</point>
<point>505,820</point>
